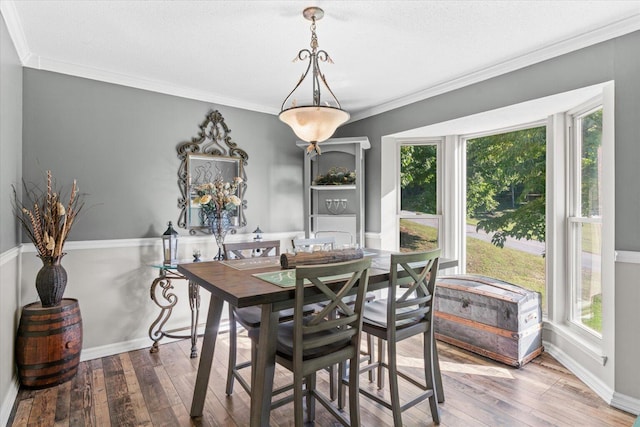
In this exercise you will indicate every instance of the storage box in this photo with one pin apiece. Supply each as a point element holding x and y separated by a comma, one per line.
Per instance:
<point>490,317</point>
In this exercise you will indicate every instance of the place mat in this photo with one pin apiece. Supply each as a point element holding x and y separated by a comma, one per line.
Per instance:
<point>252,263</point>
<point>287,278</point>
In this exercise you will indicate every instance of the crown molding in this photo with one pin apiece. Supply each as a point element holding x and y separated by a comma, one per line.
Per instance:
<point>599,35</point>
<point>31,60</point>
<point>77,70</point>
<point>14,26</point>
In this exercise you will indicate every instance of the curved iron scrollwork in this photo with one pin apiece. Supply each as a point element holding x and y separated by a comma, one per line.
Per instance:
<point>213,139</point>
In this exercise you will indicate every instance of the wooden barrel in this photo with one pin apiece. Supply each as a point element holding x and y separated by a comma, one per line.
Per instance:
<point>48,343</point>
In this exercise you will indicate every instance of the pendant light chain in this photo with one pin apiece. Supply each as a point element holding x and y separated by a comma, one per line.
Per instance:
<point>314,62</point>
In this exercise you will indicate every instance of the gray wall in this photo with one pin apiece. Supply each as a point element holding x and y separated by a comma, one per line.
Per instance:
<point>617,59</point>
<point>10,173</point>
<point>120,145</point>
<point>10,136</point>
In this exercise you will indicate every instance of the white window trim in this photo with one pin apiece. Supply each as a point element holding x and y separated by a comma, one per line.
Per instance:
<point>594,338</point>
<point>573,338</point>
<point>449,182</point>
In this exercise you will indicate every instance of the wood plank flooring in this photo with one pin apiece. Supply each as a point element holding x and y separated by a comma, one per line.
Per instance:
<point>143,389</point>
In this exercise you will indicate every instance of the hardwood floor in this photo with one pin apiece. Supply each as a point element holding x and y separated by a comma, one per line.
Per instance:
<point>143,389</point>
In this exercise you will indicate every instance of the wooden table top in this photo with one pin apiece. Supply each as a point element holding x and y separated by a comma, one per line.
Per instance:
<point>241,289</point>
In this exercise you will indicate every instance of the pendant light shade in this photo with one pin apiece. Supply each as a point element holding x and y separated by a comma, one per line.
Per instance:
<point>314,124</point>
<point>314,121</point>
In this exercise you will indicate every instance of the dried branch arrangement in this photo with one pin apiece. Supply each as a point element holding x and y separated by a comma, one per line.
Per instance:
<point>45,219</point>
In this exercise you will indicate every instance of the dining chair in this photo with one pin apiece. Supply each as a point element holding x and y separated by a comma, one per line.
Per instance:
<point>315,341</point>
<point>260,248</point>
<point>368,355</point>
<point>406,312</point>
<point>341,238</point>
<point>248,317</point>
<point>310,243</point>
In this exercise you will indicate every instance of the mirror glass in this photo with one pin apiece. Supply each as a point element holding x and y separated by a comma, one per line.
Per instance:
<point>205,169</point>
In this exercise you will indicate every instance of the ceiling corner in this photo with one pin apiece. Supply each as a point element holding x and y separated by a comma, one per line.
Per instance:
<point>14,26</point>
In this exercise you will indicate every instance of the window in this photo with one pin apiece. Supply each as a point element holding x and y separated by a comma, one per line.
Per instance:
<point>505,206</point>
<point>585,220</point>
<point>576,183</point>
<point>419,216</point>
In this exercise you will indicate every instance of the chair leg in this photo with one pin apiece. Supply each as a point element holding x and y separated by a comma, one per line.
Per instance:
<point>437,374</point>
<point>333,384</point>
<point>429,354</point>
<point>254,357</point>
<point>393,385</point>
<point>310,381</point>
<point>380,362</point>
<point>233,349</point>
<point>342,372</point>
<point>354,390</point>
<point>298,396</point>
<point>370,350</point>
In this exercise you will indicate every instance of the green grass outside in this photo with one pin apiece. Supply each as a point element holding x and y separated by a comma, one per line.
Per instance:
<point>510,265</point>
<point>513,266</point>
<point>592,315</point>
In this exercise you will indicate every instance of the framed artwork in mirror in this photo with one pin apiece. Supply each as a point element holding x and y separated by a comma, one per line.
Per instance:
<point>206,157</point>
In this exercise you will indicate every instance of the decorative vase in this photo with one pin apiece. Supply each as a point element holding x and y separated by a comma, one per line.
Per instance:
<point>220,224</point>
<point>51,281</point>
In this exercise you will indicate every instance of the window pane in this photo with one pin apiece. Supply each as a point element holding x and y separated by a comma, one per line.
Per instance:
<point>419,234</point>
<point>506,208</point>
<point>591,170</point>
<point>418,178</point>
<point>588,292</point>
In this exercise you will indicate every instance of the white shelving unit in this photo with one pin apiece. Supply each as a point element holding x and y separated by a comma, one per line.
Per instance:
<point>345,153</point>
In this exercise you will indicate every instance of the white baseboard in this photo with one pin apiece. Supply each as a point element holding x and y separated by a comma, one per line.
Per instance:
<point>9,400</point>
<point>613,398</point>
<point>137,344</point>
<point>626,403</point>
<point>594,383</point>
<point>116,348</point>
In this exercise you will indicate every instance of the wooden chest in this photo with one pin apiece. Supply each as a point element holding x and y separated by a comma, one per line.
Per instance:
<point>490,317</point>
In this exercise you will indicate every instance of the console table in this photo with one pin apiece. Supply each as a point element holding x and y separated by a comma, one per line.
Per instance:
<point>161,294</point>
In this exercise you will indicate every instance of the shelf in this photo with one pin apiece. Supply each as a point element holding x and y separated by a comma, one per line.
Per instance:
<point>342,153</point>
<point>332,187</point>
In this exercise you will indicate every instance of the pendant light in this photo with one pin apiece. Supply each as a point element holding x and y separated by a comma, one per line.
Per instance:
<point>318,120</point>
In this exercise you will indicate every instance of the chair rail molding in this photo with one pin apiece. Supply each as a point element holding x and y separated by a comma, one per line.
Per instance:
<point>629,257</point>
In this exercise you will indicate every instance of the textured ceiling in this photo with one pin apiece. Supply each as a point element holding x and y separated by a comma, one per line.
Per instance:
<point>238,53</point>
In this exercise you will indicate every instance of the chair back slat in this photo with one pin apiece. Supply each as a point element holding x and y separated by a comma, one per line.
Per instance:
<point>413,301</point>
<point>238,249</point>
<point>311,330</point>
<point>412,287</point>
<point>310,243</point>
<point>340,237</point>
<point>327,340</point>
<point>414,314</point>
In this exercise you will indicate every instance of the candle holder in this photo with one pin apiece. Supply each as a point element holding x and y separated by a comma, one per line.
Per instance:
<point>336,206</point>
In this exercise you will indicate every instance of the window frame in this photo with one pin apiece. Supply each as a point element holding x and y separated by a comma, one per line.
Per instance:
<point>438,143</point>
<point>575,219</point>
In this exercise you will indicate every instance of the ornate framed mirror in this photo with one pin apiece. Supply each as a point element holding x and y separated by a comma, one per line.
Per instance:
<point>209,157</point>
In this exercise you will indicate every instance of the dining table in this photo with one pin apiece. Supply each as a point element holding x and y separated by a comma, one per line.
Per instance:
<point>259,282</point>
